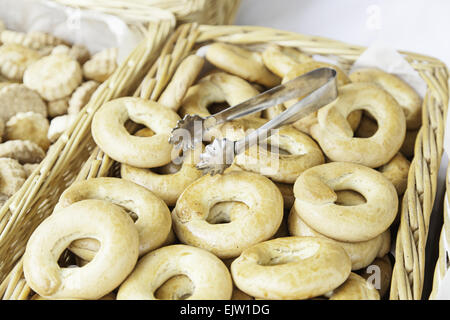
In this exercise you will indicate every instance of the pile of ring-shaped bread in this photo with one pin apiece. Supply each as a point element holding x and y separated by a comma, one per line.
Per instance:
<point>308,216</point>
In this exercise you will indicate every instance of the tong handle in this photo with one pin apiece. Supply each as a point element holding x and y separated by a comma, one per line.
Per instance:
<point>320,96</point>
<point>295,88</point>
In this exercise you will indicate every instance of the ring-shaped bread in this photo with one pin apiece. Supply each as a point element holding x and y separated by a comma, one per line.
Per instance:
<point>216,88</point>
<point>244,63</point>
<point>361,253</point>
<point>153,216</point>
<point>335,135</point>
<point>226,240</point>
<point>210,277</point>
<point>110,134</point>
<point>107,223</point>
<point>315,199</point>
<point>408,99</point>
<point>291,268</point>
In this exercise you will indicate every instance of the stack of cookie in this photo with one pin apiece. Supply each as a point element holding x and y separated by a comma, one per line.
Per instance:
<point>44,83</point>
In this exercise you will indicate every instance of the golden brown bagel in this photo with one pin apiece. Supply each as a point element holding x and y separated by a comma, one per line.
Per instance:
<point>153,217</point>
<point>404,94</point>
<point>210,277</point>
<point>241,62</point>
<point>335,136</point>
<point>361,253</point>
<point>97,219</point>
<point>111,136</point>
<point>291,268</point>
<point>315,199</point>
<point>355,288</point>
<point>192,212</point>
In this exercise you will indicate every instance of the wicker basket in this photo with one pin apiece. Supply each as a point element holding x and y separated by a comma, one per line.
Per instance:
<point>138,13</point>
<point>408,274</point>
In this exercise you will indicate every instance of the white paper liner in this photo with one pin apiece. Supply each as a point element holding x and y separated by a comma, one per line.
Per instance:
<point>95,30</point>
<point>381,56</point>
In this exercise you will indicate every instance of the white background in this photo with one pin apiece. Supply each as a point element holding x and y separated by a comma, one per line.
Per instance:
<point>412,25</point>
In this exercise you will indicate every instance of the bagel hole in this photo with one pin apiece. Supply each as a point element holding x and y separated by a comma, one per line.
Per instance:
<point>349,198</point>
<point>280,256</point>
<point>225,211</point>
<point>67,259</point>
<point>367,127</point>
<point>142,131</point>
<point>179,287</point>
<point>84,250</point>
<point>217,107</point>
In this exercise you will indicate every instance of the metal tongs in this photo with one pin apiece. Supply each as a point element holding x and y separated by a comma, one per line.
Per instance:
<point>318,88</point>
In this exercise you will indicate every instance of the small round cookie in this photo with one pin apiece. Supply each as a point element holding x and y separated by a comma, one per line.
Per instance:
<point>291,268</point>
<point>408,99</point>
<point>15,59</point>
<point>29,168</point>
<point>241,62</point>
<point>361,253</point>
<point>60,49</point>
<point>335,135</point>
<point>110,134</point>
<point>315,199</point>
<point>81,96</point>
<point>226,240</point>
<point>166,186</point>
<point>210,278</point>
<point>34,39</point>
<point>12,176</point>
<point>101,65</point>
<point>115,259</point>
<point>355,288</point>
<point>215,88</point>
<point>153,217</point>
<point>58,107</point>
<point>24,151</point>
<point>16,98</point>
<point>80,53</point>
<point>28,126</point>
<point>58,125</point>
<point>54,77</point>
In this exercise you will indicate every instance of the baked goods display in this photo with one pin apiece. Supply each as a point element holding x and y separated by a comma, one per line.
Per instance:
<point>44,83</point>
<point>314,224</point>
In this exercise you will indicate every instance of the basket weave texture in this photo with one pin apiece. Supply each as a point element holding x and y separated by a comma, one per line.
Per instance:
<point>408,273</point>
<point>139,13</point>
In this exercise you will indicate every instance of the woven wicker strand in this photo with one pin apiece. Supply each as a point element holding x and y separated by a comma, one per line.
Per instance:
<point>138,13</point>
<point>23,212</point>
<point>408,274</point>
